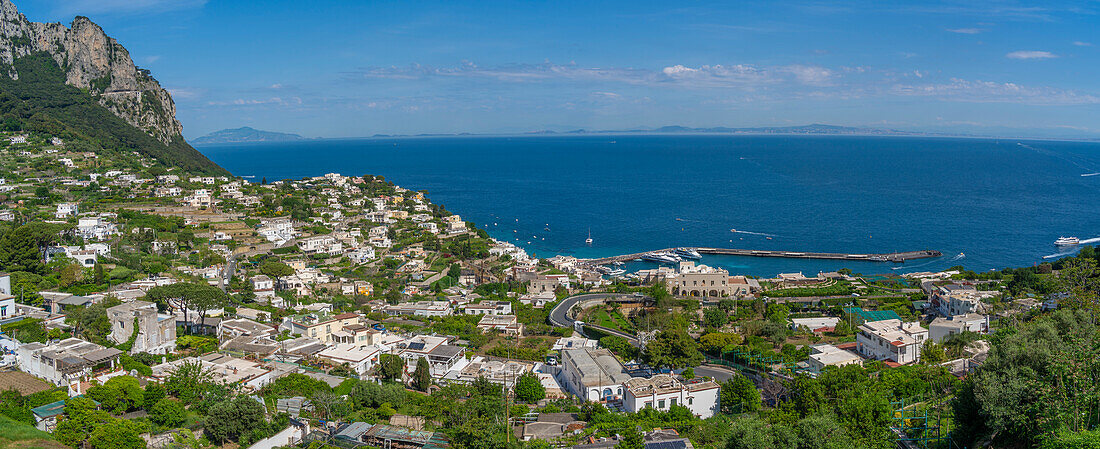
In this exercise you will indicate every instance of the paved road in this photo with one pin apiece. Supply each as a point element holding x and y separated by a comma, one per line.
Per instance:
<point>559,315</point>
<point>717,372</point>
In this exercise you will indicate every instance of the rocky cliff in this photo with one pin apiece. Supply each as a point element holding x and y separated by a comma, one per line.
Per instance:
<point>95,62</point>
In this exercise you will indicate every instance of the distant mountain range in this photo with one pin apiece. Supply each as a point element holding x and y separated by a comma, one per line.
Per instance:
<point>244,135</point>
<point>804,129</point>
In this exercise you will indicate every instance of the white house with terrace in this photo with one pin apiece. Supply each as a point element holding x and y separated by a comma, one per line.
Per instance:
<point>663,391</point>
<point>891,340</point>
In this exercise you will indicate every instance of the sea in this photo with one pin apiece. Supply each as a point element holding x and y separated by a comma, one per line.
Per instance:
<point>984,203</point>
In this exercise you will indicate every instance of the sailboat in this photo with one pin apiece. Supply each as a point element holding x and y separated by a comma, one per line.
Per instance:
<point>588,241</point>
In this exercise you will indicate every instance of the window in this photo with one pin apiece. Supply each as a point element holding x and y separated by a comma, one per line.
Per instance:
<point>661,404</point>
<point>648,404</point>
<point>672,402</point>
<point>691,400</point>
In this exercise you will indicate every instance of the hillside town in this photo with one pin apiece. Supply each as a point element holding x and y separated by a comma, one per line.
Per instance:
<point>345,311</point>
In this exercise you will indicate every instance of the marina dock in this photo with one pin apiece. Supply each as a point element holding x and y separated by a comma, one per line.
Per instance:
<point>899,257</point>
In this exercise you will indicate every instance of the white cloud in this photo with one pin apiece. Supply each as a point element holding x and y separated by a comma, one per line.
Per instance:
<point>1031,54</point>
<point>811,74</point>
<point>86,7</point>
<point>994,92</point>
<point>1082,44</point>
<point>966,30</point>
<point>151,59</point>
<point>179,92</point>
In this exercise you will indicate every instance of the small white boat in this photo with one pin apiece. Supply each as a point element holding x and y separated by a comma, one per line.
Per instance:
<point>588,241</point>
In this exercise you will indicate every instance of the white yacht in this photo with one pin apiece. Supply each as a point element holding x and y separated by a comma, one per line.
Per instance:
<point>1067,241</point>
<point>588,241</point>
<point>661,257</point>
<point>687,253</point>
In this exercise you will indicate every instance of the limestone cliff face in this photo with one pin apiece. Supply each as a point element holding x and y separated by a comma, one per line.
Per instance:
<point>93,61</point>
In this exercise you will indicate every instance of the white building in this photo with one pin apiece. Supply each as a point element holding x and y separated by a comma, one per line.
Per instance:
<point>891,340</point>
<point>828,355</point>
<point>663,391</point>
<point>420,308</point>
<point>95,228</point>
<point>65,362</point>
<point>489,308</point>
<point>592,374</point>
<point>156,332</point>
<point>941,327</point>
<point>66,210</point>
<point>699,281</point>
<point>360,358</point>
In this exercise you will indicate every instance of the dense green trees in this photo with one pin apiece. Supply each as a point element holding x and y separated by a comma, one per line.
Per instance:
<point>370,394</point>
<point>276,270</point>
<point>187,296</point>
<point>41,101</point>
<point>1039,381</point>
<point>422,376</point>
<point>118,395</point>
<point>673,348</point>
<point>230,420</point>
<point>739,395</point>
<point>390,367</point>
<point>85,426</point>
<point>529,388</point>
<point>167,412</point>
<point>24,248</point>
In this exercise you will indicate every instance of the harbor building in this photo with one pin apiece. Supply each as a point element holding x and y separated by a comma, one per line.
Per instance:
<point>699,281</point>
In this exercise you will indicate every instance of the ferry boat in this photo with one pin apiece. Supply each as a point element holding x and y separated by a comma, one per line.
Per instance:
<point>616,272</point>
<point>687,253</point>
<point>661,257</point>
<point>1067,241</point>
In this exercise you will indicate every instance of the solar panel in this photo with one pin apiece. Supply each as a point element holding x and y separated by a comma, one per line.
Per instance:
<point>418,346</point>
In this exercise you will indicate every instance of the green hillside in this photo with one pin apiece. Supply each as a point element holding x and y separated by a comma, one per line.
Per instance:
<point>14,434</point>
<point>41,101</point>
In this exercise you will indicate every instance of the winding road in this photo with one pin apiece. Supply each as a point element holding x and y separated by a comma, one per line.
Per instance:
<point>559,316</point>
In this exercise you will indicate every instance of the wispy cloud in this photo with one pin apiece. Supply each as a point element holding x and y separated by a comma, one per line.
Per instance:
<point>994,92</point>
<point>1082,44</point>
<point>1031,54</point>
<point>965,30</point>
<point>704,76</point>
<point>278,101</point>
<point>86,7</point>
<point>151,59</point>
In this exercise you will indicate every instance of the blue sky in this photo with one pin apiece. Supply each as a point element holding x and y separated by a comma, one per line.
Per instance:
<point>356,68</point>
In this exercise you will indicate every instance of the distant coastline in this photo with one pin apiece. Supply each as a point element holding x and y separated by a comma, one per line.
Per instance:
<point>244,135</point>
<point>869,132</point>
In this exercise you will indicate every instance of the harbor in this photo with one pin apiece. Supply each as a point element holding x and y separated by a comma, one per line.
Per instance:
<point>895,257</point>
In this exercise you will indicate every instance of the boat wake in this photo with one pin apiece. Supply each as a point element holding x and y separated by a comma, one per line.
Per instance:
<point>1088,166</point>
<point>1055,256</point>
<point>903,267</point>
<point>1073,249</point>
<point>753,233</point>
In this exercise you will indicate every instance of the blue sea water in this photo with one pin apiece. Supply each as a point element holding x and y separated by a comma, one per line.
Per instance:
<point>1001,202</point>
